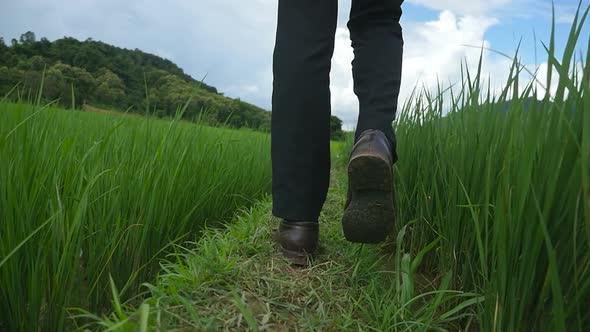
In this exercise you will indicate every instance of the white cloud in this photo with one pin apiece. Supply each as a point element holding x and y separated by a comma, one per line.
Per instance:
<point>462,7</point>
<point>344,101</point>
<point>433,52</point>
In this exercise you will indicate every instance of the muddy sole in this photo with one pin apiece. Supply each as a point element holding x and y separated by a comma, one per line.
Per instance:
<point>369,217</point>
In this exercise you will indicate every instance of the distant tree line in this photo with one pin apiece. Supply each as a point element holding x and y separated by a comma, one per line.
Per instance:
<point>92,72</point>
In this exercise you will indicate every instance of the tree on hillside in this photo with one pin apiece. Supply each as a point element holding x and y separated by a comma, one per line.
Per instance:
<point>4,52</point>
<point>7,56</point>
<point>36,63</point>
<point>77,79</point>
<point>32,81</point>
<point>110,89</point>
<point>89,57</point>
<point>336,132</point>
<point>168,92</point>
<point>9,78</point>
<point>26,44</point>
<point>27,38</point>
<point>115,77</point>
<point>55,84</point>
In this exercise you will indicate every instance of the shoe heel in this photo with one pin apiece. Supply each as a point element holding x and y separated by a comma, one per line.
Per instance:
<point>368,172</point>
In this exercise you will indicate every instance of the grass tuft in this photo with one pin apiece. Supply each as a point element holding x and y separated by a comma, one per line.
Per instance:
<point>86,196</point>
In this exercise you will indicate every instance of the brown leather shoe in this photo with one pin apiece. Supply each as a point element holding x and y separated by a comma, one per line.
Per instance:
<point>298,240</point>
<point>368,212</point>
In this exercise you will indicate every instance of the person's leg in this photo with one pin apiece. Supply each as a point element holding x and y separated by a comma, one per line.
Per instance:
<point>377,42</point>
<point>300,127</point>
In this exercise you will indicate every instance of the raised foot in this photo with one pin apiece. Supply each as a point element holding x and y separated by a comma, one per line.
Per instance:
<point>369,216</point>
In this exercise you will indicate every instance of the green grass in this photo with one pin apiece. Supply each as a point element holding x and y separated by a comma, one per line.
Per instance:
<point>492,232</point>
<point>235,279</point>
<point>89,196</point>
<point>506,195</point>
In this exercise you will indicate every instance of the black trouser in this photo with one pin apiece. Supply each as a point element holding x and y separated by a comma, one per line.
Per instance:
<point>300,133</point>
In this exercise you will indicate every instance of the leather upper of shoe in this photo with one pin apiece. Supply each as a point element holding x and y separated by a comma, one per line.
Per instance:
<point>373,142</point>
<point>299,236</point>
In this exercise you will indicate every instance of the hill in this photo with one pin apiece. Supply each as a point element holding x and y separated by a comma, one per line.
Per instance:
<point>93,72</point>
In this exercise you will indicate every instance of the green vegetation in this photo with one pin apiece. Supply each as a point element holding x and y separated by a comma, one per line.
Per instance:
<point>235,279</point>
<point>336,132</point>
<point>93,72</point>
<point>78,73</point>
<point>502,195</point>
<point>88,196</point>
<point>493,230</point>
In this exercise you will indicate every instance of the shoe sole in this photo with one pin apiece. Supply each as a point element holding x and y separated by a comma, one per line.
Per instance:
<point>369,217</point>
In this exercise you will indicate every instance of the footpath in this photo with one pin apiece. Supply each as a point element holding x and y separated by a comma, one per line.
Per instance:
<point>234,279</point>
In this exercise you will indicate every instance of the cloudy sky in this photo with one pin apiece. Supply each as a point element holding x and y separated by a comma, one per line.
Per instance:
<point>231,41</point>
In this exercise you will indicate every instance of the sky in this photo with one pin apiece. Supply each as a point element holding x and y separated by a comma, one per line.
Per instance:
<point>230,42</point>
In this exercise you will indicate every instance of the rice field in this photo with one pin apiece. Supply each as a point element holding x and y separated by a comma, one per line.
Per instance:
<point>85,197</point>
<point>500,200</point>
<point>493,227</point>
<point>496,194</point>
